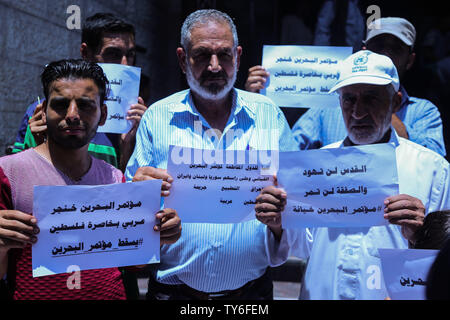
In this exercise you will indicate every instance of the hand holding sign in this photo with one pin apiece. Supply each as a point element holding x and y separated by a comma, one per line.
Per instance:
<point>16,229</point>
<point>269,206</point>
<point>169,226</point>
<point>150,173</point>
<point>257,78</point>
<point>124,91</point>
<point>407,211</point>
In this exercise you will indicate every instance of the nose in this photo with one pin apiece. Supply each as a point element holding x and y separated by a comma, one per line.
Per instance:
<point>72,115</point>
<point>214,65</point>
<point>124,60</point>
<point>359,111</point>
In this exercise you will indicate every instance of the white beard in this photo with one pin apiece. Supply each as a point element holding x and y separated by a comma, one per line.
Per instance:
<point>204,92</point>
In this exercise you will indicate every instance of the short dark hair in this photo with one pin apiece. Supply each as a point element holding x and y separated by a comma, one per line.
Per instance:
<point>434,232</point>
<point>438,278</point>
<point>75,69</point>
<point>97,25</point>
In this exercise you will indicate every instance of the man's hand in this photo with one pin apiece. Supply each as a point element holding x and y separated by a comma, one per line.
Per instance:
<point>269,205</point>
<point>399,126</point>
<point>136,112</point>
<point>169,226</point>
<point>17,229</point>
<point>257,77</point>
<point>38,125</point>
<point>128,140</point>
<point>150,173</point>
<point>406,211</point>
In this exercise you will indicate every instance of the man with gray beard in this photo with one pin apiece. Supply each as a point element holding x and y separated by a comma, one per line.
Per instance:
<point>210,261</point>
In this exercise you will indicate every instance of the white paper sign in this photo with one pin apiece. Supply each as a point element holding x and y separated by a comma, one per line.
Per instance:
<point>341,187</point>
<point>302,76</point>
<point>217,186</point>
<point>405,272</point>
<point>95,227</point>
<point>124,83</point>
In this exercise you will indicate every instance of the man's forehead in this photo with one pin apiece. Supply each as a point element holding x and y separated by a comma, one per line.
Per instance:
<point>211,32</point>
<point>386,38</point>
<point>117,37</point>
<point>69,86</point>
<point>363,88</point>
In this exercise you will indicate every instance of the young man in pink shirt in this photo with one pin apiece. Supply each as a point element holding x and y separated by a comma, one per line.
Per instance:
<point>75,91</point>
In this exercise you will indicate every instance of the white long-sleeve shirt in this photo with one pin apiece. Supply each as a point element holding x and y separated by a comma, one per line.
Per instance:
<point>344,262</point>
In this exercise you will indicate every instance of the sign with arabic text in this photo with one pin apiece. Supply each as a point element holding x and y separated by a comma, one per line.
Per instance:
<point>339,187</point>
<point>405,272</point>
<point>124,91</point>
<point>302,76</point>
<point>95,227</point>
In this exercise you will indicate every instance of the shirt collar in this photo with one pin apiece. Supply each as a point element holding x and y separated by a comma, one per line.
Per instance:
<point>238,104</point>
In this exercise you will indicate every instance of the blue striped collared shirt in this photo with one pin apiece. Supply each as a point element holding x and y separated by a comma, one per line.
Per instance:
<point>319,127</point>
<point>211,257</point>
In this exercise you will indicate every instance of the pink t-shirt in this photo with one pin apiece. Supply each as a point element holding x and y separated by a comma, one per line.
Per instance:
<point>19,173</point>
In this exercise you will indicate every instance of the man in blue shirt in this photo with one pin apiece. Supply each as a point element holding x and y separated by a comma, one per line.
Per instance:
<point>416,119</point>
<point>223,261</point>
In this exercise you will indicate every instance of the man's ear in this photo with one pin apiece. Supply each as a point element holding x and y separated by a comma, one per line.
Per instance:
<point>103,114</point>
<point>181,54</point>
<point>238,56</point>
<point>44,111</point>
<point>411,59</point>
<point>396,101</point>
<point>84,51</point>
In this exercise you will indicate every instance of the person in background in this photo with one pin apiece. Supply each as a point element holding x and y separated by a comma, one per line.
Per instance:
<point>438,279</point>
<point>105,38</point>
<point>415,119</point>
<point>434,232</point>
<point>340,23</point>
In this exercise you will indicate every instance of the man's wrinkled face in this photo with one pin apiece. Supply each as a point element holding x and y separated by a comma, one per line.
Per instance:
<point>212,61</point>
<point>73,112</point>
<point>367,111</point>
<point>117,48</point>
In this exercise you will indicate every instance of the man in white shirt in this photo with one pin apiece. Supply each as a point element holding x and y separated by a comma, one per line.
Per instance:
<point>344,262</point>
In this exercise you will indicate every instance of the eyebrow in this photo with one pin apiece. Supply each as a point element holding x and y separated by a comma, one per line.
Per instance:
<point>209,50</point>
<point>60,99</point>
<point>117,49</point>
<point>372,92</point>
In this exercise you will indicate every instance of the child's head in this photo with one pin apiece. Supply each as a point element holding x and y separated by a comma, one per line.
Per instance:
<point>434,232</point>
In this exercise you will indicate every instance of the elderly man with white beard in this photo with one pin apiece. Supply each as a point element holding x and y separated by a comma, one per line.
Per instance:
<point>344,262</point>
<point>210,261</point>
